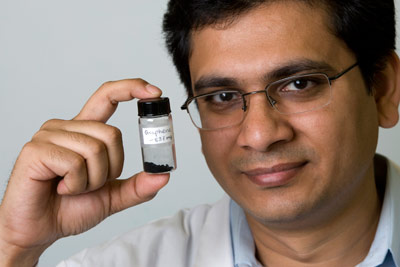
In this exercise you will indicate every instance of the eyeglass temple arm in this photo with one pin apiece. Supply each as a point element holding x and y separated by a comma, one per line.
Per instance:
<point>185,105</point>
<point>337,76</point>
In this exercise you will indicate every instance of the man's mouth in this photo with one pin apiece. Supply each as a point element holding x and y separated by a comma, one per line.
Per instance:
<point>275,176</point>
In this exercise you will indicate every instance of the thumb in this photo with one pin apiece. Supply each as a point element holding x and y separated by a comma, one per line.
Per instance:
<point>138,189</point>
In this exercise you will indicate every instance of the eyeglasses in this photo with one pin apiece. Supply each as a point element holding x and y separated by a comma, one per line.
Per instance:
<point>291,95</point>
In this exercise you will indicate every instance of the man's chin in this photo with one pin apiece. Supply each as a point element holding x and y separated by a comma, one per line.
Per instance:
<point>285,215</point>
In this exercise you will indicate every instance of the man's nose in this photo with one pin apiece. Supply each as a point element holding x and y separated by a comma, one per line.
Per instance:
<point>263,126</point>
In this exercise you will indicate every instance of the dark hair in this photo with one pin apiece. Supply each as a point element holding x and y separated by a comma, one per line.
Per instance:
<point>366,26</point>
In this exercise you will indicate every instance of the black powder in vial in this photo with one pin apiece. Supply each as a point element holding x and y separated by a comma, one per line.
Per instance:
<point>154,168</point>
<point>158,158</point>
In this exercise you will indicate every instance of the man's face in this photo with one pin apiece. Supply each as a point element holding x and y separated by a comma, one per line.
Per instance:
<point>287,168</point>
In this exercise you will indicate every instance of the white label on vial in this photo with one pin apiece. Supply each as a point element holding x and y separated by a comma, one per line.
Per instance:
<point>157,135</point>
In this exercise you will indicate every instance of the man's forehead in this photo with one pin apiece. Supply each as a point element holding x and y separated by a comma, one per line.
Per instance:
<point>274,20</point>
<point>269,35</point>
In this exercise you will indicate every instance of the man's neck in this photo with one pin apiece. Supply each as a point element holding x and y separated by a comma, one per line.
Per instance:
<point>344,240</point>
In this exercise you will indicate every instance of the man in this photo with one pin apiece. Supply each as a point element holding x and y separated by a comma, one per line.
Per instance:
<point>288,97</point>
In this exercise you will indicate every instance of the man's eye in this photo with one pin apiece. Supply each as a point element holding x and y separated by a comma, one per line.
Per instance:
<point>299,84</point>
<point>221,101</point>
<point>224,97</point>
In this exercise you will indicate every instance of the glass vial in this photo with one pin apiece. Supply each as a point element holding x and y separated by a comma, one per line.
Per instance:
<point>156,135</point>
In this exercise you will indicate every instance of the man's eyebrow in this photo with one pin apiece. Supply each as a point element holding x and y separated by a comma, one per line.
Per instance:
<point>214,81</point>
<point>285,70</point>
<point>296,67</point>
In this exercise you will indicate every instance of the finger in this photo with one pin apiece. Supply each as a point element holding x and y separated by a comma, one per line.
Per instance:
<point>46,161</point>
<point>110,136</point>
<point>139,188</point>
<point>93,151</point>
<point>104,101</point>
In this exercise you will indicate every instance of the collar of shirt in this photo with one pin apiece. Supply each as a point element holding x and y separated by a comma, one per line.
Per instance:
<point>243,246</point>
<point>384,251</point>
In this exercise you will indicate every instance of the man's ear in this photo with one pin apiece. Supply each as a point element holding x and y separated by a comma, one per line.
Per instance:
<point>201,147</point>
<point>387,92</point>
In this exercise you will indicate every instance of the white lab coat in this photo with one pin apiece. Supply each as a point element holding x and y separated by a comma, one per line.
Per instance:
<point>199,237</point>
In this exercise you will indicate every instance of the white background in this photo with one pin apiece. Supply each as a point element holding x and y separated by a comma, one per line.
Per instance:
<point>55,54</point>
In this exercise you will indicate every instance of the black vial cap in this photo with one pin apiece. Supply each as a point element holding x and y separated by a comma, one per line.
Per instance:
<point>154,106</point>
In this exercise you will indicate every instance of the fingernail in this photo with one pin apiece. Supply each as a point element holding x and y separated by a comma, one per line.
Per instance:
<point>152,89</point>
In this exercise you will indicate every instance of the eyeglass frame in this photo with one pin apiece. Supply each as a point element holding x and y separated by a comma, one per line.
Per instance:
<point>271,101</point>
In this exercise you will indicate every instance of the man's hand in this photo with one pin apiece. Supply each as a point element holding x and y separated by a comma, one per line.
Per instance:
<point>64,180</point>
